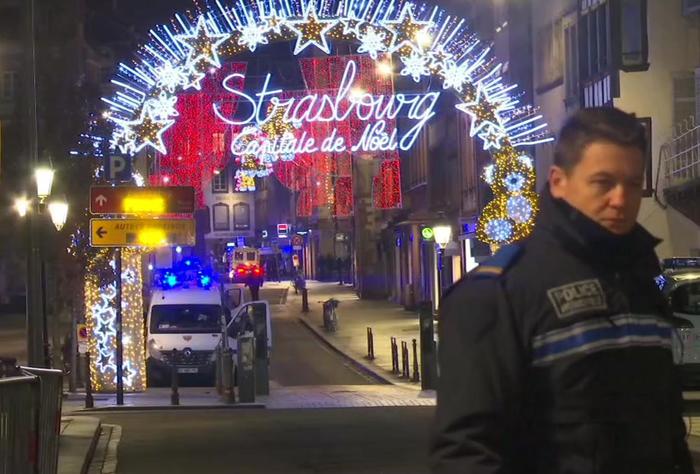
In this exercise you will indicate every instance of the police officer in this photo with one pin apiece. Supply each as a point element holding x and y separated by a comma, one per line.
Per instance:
<point>555,355</point>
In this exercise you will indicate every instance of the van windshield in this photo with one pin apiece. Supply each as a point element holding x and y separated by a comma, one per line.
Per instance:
<point>686,299</point>
<point>185,318</point>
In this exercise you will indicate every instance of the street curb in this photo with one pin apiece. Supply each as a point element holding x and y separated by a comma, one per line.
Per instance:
<point>370,372</point>
<point>236,406</point>
<point>77,444</point>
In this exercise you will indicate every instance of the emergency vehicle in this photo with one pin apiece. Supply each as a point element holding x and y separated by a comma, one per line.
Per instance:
<point>245,266</point>
<point>680,283</point>
<point>188,313</point>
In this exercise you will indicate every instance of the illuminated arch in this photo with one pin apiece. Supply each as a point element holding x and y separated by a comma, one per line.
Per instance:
<point>427,42</point>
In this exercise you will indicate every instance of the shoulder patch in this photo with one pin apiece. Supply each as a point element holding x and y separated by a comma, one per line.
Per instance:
<point>499,263</point>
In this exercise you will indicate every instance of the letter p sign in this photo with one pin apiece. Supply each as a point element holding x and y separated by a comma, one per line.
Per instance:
<point>118,168</point>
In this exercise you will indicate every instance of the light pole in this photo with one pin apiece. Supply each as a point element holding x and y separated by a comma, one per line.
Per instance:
<point>34,211</point>
<point>443,236</point>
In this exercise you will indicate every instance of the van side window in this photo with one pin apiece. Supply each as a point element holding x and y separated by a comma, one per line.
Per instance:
<point>686,299</point>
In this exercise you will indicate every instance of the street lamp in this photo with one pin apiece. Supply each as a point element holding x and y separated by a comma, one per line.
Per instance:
<point>59,213</point>
<point>443,235</point>
<point>22,206</point>
<point>44,181</point>
<point>33,209</point>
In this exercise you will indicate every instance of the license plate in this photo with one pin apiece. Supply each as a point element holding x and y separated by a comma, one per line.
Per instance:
<point>187,370</point>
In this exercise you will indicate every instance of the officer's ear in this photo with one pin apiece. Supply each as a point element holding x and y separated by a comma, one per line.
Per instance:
<point>558,181</point>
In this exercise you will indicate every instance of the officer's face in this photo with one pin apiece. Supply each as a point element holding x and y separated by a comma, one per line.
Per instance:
<point>606,185</point>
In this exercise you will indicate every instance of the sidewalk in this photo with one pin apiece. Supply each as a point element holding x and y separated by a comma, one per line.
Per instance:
<point>79,435</point>
<point>354,317</point>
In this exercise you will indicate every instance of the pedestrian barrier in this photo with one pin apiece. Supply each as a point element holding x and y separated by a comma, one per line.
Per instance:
<point>404,360</point>
<point>394,356</point>
<point>50,398</point>
<point>30,418</point>
<point>370,344</point>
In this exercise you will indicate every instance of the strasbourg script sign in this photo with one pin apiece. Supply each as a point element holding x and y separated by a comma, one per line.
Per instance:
<point>348,103</point>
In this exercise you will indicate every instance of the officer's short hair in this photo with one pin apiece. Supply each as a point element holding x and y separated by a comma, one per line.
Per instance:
<point>597,124</point>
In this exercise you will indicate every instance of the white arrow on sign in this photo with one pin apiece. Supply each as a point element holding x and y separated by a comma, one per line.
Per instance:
<point>101,200</point>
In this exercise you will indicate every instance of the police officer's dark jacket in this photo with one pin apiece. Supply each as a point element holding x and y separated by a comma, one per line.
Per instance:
<point>555,357</point>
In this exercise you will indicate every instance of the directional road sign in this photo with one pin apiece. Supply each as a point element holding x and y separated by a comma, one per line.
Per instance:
<point>141,232</point>
<point>156,200</point>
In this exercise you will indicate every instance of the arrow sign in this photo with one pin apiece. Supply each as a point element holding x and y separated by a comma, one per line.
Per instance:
<point>149,201</point>
<point>141,232</point>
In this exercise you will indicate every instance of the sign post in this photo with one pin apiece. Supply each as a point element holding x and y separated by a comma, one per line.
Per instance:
<point>120,342</point>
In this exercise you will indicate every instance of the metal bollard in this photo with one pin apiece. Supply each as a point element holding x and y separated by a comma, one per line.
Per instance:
<point>370,344</point>
<point>219,371</point>
<point>227,376</point>
<point>394,356</point>
<point>89,401</point>
<point>174,393</point>
<point>416,375</point>
<point>404,359</point>
<point>428,355</point>
<point>304,300</point>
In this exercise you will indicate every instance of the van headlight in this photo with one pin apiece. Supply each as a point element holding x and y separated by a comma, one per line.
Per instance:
<point>154,350</point>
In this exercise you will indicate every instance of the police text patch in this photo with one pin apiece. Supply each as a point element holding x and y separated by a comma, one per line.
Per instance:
<point>577,297</point>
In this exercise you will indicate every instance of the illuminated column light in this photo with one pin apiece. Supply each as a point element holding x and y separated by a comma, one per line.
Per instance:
<point>100,300</point>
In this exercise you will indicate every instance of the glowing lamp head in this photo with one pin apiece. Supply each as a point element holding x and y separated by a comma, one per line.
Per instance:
<point>44,181</point>
<point>384,68</point>
<point>150,267</point>
<point>443,235</point>
<point>59,213</point>
<point>178,249</point>
<point>22,206</point>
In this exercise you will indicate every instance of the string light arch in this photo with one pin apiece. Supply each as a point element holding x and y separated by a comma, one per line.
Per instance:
<point>425,42</point>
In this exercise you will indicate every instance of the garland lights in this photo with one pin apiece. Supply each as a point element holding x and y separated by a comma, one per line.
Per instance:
<point>100,304</point>
<point>427,41</point>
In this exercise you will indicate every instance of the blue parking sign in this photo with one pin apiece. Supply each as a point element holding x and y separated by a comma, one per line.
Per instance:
<point>118,168</point>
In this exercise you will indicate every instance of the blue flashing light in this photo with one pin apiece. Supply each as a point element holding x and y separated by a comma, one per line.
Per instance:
<point>171,280</point>
<point>188,262</point>
<point>205,280</point>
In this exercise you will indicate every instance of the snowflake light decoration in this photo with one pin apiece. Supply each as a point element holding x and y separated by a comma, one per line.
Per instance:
<point>515,182</point>
<point>454,75</point>
<point>519,209</point>
<point>372,42</point>
<point>162,107</point>
<point>252,35</point>
<point>170,78</point>
<point>416,66</point>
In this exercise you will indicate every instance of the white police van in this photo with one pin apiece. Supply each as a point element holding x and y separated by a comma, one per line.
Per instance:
<point>187,313</point>
<point>680,283</point>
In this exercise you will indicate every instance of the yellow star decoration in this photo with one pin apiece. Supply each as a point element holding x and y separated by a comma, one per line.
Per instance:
<point>203,44</point>
<point>275,23</point>
<point>310,30</point>
<point>480,111</point>
<point>405,30</point>
<point>146,131</point>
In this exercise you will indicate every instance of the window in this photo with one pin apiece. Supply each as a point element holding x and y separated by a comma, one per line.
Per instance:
<point>571,60</point>
<point>221,217</point>
<point>686,299</point>
<point>599,81</point>
<point>634,42</point>
<point>549,54</point>
<point>8,85</point>
<point>218,143</point>
<point>219,184</point>
<point>683,99</point>
<point>241,216</point>
<point>185,318</point>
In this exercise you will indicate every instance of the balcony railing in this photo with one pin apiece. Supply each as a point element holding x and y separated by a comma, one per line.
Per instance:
<point>681,156</point>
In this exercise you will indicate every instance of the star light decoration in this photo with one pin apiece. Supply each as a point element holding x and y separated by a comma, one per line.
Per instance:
<point>203,44</point>
<point>406,29</point>
<point>427,42</point>
<point>144,131</point>
<point>310,30</point>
